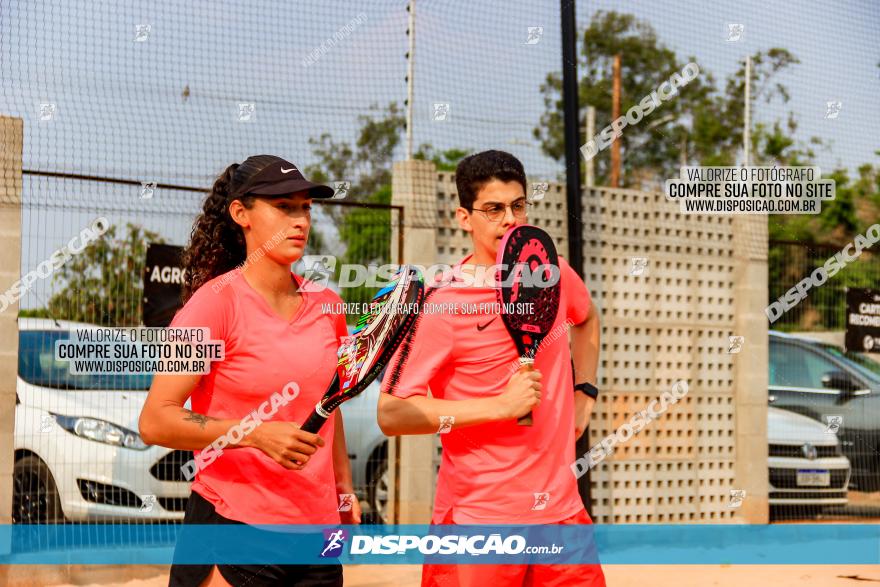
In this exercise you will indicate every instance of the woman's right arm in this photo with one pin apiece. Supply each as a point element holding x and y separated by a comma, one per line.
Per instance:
<point>165,422</point>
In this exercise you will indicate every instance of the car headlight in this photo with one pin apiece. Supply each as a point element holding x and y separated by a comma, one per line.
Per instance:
<point>101,431</point>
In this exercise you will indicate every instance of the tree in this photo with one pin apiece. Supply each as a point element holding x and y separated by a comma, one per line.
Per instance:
<point>856,206</point>
<point>103,284</point>
<point>699,125</point>
<point>365,232</point>
<point>367,165</point>
<point>445,161</point>
<point>646,63</point>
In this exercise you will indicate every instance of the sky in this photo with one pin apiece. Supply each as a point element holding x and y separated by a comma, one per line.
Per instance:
<point>167,107</point>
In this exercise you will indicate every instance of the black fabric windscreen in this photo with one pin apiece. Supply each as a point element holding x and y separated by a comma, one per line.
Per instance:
<point>163,280</point>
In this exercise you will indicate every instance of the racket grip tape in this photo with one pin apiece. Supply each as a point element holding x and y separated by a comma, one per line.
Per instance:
<point>527,419</point>
<point>315,422</point>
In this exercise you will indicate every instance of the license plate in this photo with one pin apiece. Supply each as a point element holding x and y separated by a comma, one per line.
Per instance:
<point>813,478</point>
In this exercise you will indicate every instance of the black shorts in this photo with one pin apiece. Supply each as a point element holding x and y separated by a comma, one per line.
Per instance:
<point>200,511</point>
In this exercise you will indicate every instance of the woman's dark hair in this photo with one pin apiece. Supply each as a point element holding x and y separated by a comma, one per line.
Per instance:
<point>217,243</point>
<point>477,170</point>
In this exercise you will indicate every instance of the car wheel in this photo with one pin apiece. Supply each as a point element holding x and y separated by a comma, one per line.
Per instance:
<point>378,490</point>
<point>34,497</point>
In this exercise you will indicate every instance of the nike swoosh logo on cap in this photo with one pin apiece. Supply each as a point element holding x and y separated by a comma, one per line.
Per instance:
<point>288,170</point>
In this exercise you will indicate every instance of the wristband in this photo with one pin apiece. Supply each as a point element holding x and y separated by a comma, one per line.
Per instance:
<point>588,388</point>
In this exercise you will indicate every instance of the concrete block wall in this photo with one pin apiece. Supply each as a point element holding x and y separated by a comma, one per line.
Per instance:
<point>673,321</point>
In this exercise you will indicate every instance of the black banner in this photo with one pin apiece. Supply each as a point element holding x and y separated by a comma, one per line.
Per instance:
<point>862,320</point>
<point>163,284</point>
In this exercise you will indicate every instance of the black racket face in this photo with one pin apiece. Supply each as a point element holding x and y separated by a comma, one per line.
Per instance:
<point>528,279</point>
<point>377,335</point>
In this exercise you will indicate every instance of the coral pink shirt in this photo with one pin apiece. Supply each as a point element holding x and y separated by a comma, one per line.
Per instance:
<point>263,352</point>
<point>491,473</point>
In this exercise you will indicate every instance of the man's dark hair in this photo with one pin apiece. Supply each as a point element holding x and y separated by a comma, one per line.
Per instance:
<point>477,170</point>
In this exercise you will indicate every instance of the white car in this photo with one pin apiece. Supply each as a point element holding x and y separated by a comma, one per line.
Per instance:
<point>807,467</point>
<point>368,453</point>
<point>78,455</point>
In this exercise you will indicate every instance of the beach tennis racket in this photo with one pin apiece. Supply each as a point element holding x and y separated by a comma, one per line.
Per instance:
<point>377,334</point>
<point>528,291</point>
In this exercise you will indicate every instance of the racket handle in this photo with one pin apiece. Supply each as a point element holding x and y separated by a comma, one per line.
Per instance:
<point>527,419</point>
<point>314,423</point>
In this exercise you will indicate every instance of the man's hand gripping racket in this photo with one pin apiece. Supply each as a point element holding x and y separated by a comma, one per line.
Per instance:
<point>529,287</point>
<point>377,335</point>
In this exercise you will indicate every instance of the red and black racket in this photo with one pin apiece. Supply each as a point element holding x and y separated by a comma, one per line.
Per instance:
<point>528,291</point>
<point>377,335</point>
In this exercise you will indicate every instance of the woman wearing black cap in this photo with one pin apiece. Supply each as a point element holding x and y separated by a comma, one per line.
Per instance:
<point>280,356</point>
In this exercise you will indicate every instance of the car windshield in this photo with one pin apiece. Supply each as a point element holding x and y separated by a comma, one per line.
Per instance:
<point>38,366</point>
<point>865,366</point>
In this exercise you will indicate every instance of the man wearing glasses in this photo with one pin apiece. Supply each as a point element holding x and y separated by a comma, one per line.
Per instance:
<point>494,471</point>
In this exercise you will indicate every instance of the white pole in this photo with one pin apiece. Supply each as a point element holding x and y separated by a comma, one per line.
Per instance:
<point>410,70</point>
<point>747,135</point>
<point>591,130</point>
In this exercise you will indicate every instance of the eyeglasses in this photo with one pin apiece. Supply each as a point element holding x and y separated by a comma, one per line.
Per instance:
<point>495,212</point>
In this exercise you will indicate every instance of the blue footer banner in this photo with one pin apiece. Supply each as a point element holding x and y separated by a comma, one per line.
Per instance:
<point>122,544</point>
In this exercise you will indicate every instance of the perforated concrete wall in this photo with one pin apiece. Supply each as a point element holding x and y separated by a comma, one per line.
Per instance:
<point>665,317</point>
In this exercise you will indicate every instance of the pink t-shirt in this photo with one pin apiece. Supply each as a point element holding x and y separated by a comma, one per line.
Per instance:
<point>264,352</point>
<point>498,472</point>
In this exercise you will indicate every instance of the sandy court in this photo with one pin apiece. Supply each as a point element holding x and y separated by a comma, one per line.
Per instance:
<point>616,575</point>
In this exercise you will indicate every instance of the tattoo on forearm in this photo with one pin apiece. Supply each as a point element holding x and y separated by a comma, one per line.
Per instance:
<point>197,418</point>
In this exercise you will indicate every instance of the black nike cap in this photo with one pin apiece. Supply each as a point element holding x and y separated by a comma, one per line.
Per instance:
<point>278,177</point>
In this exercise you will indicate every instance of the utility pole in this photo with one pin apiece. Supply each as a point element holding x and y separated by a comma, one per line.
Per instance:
<point>591,131</point>
<point>747,133</point>
<point>615,114</point>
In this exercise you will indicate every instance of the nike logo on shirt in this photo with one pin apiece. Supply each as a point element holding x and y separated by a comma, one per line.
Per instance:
<point>482,327</point>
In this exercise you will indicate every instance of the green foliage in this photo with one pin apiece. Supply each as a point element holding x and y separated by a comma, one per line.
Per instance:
<point>855,208</point>
<point>700,125</point>
<point>825,307</point>
<point>366,232</point>
<point>34,313</point>
<point>445,161</point>
<point>703,125</point>
<point>646,62</point>
<point>367,164</point>
<point>364,227</point>
<point>103,284</point>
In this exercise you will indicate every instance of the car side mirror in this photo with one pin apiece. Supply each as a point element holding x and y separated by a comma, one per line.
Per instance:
<point>839,380</point>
